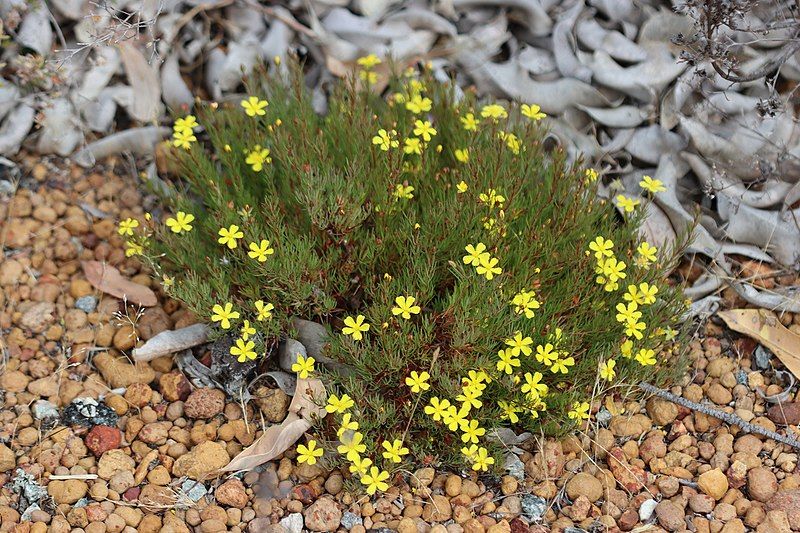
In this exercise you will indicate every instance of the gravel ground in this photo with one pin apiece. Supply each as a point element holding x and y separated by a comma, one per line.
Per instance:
<point>137,448</point>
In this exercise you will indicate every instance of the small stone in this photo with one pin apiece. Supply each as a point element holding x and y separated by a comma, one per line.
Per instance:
<point>670,516</point>
<point>274,403</point>
<point>533,507</point>
<point>13,381</point>
<point>204,403</point>
<point>334,483</point>
<point>646,509</point>
<point>628,520</point>
<point>437,510</point>
<point>138,394</point>
<point>44,410</point>
<point>38,316</point>
<point>67,491</point>
<point>785,413</point>
<point>232,493</point>
<point>789,501</point>
<point>203,459</point>
<point>87,304</point>
<point>349,520</point>
<point>583,484</point>
<point>701,503</point>
<point>662,412</point>
<point>8,460</point>
<point>777,521</point>
<point>761,484</point>
<point>118,372</point>
<point>718,394</point>
<point>174,386</point>
<point>101,439</point>
<point>714,483</point>
<point>293,523</point>
<point>452,486</point>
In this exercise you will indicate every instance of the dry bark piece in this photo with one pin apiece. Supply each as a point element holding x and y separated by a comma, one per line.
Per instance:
<point>172,341</point>
<point>765,327</point>
<point>108,279</point>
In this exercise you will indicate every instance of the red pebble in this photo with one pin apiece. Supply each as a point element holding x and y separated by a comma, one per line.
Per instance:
<point>132,494</point>
<point>100,439</point>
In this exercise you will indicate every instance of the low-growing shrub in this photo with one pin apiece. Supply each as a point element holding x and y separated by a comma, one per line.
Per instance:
<point>469,279</point>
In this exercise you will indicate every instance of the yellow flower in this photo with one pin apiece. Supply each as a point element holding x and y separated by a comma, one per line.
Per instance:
<point>405,307</point>
<point>494,112</point>
<point>562,365</point>
<point>348,424</point>
<point>591,175</point>
<point>607,371</point>
<point>580,411</point>
<point>355,327</point>
<point>651,185</point>
<point>257,157</point>
<point>506,362</point>
<point>626,349</point>
<point>437,409</point>
<point>412,145</point>
<point>368,76</point>
<point>533,386</point>
<point>471,431</point>
<point>352,447</point>
<point>546,354</point>
<point>183,139</point>
<point>533,112</point>
<point>424,129</point>
<point>228,236</point>
<point>304,366</point>
<point>454,417</point>
<point>375,480</point>
<point>394,450</point>
<point>646,254</point>
<point>462,187</point>
<point>481,460</point>
<point>628,313</point>
<point>491,198</point>
<point>386,139</point>
<point>253,106</point>
<point>360,465</point>
<point>339,405</point>
<point>525,302</point>
<point>627,204</point>
<point>309,454</point>
<point>224,315</point>
<point>469,398</point>
<point>418,381</point>
<point>462,155</point>
<point>469,122</point>
<point>475,254</point>
<point>488,267</point>
<point>167,281</point>
<point>127,226</point>
<point>369,61</point>
<point>181,222</point>
<point>470,452</point>
<point>645,294</point>
<point>264,311</point>
<point>247,330</point>
<point>189,122</point>
<point>519,344</point>
<point>417,104</point>
<point>635,329</point>
<point>243,350</point>
<point>403,192</point>
<point>260,251</point>
<point>646,357</point>
<point>601,248</point>
<point>133,248</point>
<point>510,411</point>
<point>513,143</point>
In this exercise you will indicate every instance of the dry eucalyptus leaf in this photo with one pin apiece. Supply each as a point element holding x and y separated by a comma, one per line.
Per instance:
<point>172,341</point>
<point>16,126</point>
<point>304,409</point>
<point>764,326</point>
<point>144,80</point>
<point>108,279</point>
<point>140,141</point>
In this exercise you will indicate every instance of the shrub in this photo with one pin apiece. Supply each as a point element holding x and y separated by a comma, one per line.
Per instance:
<point>452,258</point>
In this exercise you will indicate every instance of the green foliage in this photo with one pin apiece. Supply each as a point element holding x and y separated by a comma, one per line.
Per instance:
<point>350,236</point>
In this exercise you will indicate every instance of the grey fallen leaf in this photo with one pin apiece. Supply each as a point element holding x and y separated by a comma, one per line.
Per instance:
<point>276,42</point>
<point>174,91</point>
<point>172,341</point>
<point>71,9</point>
<point>657,229</point>
<point>786,394</point>
<point>595,37</point>
<point>98,113</point>
<point>374,8</point>
<point>35,31</point>
<point>285,381</point>
<point>536,17</point>
<point>144,79</point>
<point>703,286</point>
<point>651,142</point>
<point>779,300</point>
<point>105,64</point>
<point>508,437</point>
<point>616,10</point>
<point>140,141</point>
<point>214,66</point>
<point>642,81</point>
<point>304,410</point>
<point>9,93</point>
<point>564,45</point>
<point>703,308</point>
<point>676,97</point>
<point>93,211</point>
<point>60,129</point>
<point>412,44</point>
<point>627,116</point>
<point>575,143</point>
<point>14,129</point>
<point>731,103</point>
<point>662,26</point>
<point>647,509</point>
<point>537,61</point>
<point>747,250</point>
<point>422,19</point>
<point>288,353</point>
<point>361,31</point>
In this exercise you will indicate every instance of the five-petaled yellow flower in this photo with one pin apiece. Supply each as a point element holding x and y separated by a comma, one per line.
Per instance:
<point>462,187</point>
<point>394,450</point>
<point>355,327</point>
<point>418,381</point>
<point>417,104</point>
<point>257,157</point>
<point>224,315</point>
<point>506,361</point>
<point>133,248</point>
<point>386,139</point>
<point>253,106</point>
<point>260,251</point>
<point>263,310</point>
<point>519,344</point>
<point>562,365</point>
<point>352,447</point>
<point>607,371</point>
<point>494,112</point>
<point>533,112</point>
<point>437,409</point>
<point>228,236</point>
<point>646,357</point>
<point>127,226</point>
<point>182,222</point>
<point>462,154</point>
<point>646,254</point>
<point>304,366</point>
<point>247,330</point>
<point>339,405</point>
<point>644,294</point>
<point>627,204</point>
<point>405,307</point>
<point>243,350</point>
<point>471,431</point>
<point>309,454</point>
<point>469,122</point>
<point>186,123</point>
<point>488,267</point>
<point>369,61</point>
<point>475,254</point>
<point>360,465</point>
<point>481,460</point>
<point>183,139</point>
<point>412,145</point>
<point>591,175</point>
<point>601,247</point>
<point>652,185</point>
<point>424,129</point>
<point>348,424</point>
<point>375,480</point>
<point>533,386</point>
<point>403,192</point>
<point>580,411</point>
